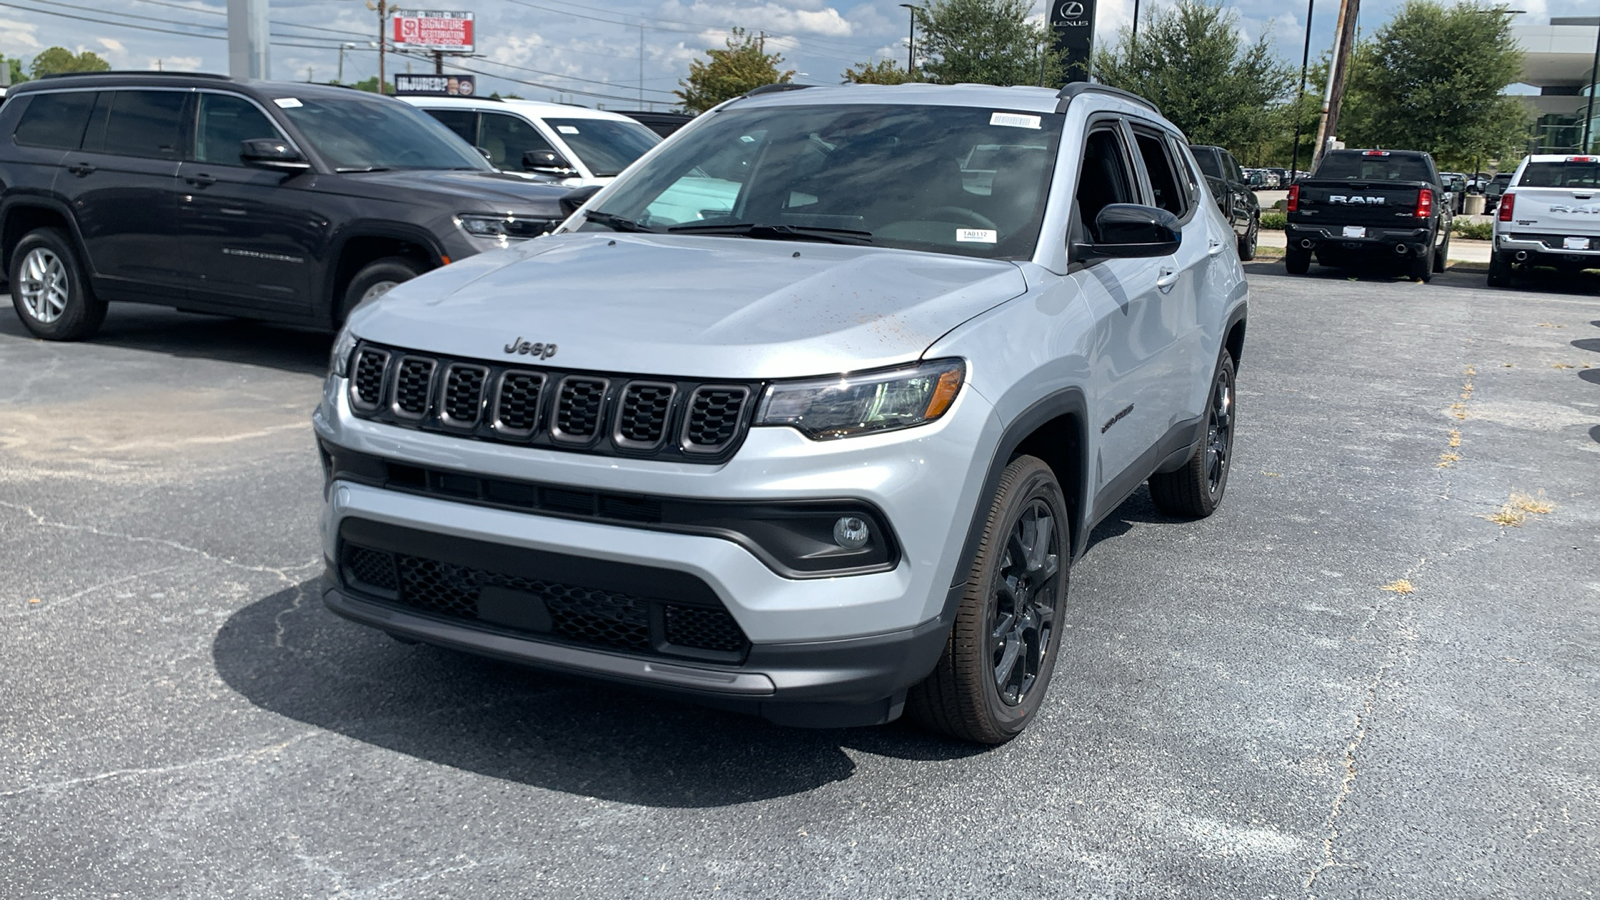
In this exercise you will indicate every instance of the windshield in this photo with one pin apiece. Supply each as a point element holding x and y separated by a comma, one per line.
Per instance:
<point>1561,174</point>
<point>958,180</point>
<point>1361,167</point>
<point>606,147</point>
<point>355,134</point>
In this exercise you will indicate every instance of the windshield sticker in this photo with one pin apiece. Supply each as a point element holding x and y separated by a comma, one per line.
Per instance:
<point>287,103</point>
<point>566,129</point>
<point>1014,120</point>
<point>976,236</point>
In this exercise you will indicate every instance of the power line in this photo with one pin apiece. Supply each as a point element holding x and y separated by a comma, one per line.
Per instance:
<point>130,25</point>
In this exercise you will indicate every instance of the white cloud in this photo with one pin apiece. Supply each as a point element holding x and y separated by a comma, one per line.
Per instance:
<point>17,38</point>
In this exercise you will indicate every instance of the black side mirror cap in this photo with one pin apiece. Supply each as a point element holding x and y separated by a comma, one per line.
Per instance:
<point>271,153</point>
<point>547,162</point>
<point>1131,231</point>
<point>571,200</point>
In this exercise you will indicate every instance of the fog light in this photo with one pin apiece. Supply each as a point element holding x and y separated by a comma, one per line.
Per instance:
<point>851,532</point>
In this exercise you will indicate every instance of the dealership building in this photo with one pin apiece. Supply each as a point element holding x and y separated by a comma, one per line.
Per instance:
<point>1559,61</point>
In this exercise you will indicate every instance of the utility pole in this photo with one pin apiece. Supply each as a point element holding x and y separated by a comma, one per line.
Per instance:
<point>342,48</point>
<point>247,39</point>
<point>911,44</point>
<point>641,63</point>
<point>438,62</point>
<point>382,7</point>
<point>1328,128</point>
<point>1305,60</point>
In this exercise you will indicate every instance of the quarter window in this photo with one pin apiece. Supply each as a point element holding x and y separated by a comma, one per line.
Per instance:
<point>138,123</point>
<point>226,122</point>
<point>55,120</point>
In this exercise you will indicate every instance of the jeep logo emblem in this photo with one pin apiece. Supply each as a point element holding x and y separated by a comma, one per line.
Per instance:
<point>1356,200</point>
<point>521,347</point>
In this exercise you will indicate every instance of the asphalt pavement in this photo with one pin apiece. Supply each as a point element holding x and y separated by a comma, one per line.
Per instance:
<point>1248,706</point>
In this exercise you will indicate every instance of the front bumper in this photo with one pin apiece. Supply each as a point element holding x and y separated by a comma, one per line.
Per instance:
<point>1377,240</point>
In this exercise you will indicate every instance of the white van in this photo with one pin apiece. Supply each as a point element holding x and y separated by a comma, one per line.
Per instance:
<point>575,145</point>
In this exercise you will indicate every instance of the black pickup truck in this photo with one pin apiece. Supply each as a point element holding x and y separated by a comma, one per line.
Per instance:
<point>1364,208</point>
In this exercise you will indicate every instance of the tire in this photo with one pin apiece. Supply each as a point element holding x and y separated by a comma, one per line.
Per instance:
<point>1441,257</point>
<point>374,280</point>
<point>1420,267</point>
<point>963,697</point>
<point>1195,491</point>
<point>1247,244</point>
<point>1499,270</point>
<point>49,290</point>
<point>1297,260</point>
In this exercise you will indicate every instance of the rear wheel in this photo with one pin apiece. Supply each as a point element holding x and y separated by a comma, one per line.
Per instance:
<point>1442,257</point>
<point>1247,243</point>
<point>997,661</point>
<point>1195,491</point>
<point>49,289</point>
<point>1297,260</point>
<point>1420,267</point>
<point>1499,270</point>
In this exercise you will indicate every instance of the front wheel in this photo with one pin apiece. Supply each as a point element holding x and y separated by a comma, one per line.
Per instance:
<point>997,661</point>
<point>1195,491</point>
<point>49,289</point>
<point>374,280</point>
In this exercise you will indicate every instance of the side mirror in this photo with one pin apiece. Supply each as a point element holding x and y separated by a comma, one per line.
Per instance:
<point>270,153</point>
<point>1131,231</point>
<point>571,200</point>
<point>485,152</point>
<point>547,162</point>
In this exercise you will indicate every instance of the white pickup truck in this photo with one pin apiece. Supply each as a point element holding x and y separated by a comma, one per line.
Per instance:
<point>1549,216</point>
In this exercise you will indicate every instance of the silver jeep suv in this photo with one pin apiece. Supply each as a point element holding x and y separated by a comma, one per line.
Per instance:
<point>807,414</point>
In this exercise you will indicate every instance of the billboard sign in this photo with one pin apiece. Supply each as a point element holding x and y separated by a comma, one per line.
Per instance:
<point>434,85</point>
<point>431,29</point>
<point>1072,21</point>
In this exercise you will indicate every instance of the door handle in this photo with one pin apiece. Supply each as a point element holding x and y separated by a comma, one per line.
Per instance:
<point>200,180</point>
<point>1167,278</point>
<point>81,169</point>
<point>1214,247</point>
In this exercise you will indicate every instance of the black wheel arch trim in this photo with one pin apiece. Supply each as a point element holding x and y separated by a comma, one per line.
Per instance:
<point>57,206</point>
<point>328,304</point>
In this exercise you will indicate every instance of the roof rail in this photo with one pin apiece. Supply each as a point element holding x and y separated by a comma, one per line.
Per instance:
<point>125,72</point>
<point>775,88</point>
<point>1066,94</point>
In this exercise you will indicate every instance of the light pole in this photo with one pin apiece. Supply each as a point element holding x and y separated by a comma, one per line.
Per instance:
<point>342,48</point>
<point>911,41</point>
<point>1305,59</point>
<point>1135,25</point>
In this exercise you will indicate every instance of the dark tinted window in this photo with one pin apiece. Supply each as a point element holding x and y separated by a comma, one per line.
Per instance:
<point>225,122</point>
<point>1561,174</point>
<point>508,137</point>
<point>1208,162</point>
<point>464,122</point>
<point>1105,178</point>
<point>140,123</point>
<point>362,133</point>
<point>55,120</point>
<point>606,147</point>
<point>1359,166</point>
<point>1163,178</point>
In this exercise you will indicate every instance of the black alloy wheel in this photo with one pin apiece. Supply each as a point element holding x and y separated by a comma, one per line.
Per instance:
<point>1195,490</point>
<point>1022,613</point>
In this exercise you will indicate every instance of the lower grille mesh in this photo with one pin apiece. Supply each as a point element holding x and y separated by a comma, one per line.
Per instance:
<point>578,614</point>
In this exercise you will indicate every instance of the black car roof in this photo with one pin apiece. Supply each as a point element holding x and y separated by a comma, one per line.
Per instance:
<point>270,90</point>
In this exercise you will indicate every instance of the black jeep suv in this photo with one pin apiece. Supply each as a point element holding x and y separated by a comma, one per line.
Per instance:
<point>285,202</point>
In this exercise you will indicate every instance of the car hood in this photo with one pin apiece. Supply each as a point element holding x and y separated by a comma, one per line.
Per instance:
<point>693,307</point>
<point>469,190</point>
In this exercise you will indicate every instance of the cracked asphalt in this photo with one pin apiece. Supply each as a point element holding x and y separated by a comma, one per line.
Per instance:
<point>1242,709</point>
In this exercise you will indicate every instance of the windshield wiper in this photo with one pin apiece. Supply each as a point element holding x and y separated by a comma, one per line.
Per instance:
<point>780,232</point>
<point>347,169</point>
<point>615,222</point>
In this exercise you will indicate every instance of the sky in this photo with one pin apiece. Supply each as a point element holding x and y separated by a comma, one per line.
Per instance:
<point>590,53</point>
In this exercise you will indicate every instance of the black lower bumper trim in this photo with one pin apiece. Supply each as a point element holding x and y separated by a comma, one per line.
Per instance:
<point>819,684</point>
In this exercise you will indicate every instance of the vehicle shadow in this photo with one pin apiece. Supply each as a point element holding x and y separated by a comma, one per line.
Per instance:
<point>287,654</point>
<point>155,329</point>
<point>1137,509</point>
<point>1590,344</point>
<point>1538,279</point>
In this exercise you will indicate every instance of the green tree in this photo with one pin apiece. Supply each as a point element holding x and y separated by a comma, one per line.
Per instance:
<point>985,42</point>
<point>883,71</point>
<point>370,85</point>
<point>1190,61</point>
<point>1430,79</point>
<point>59,59</point>
<point>740,67</point>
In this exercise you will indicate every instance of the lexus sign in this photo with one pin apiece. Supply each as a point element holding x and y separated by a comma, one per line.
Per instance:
<point>450,32</point>
<point>1072,21</point>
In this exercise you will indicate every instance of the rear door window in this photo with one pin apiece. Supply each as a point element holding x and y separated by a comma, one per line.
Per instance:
<point>226,122</point>
<point>55,120</point>
<point>507,138</point>
<point>139,123</point>
<point>1168,192</point>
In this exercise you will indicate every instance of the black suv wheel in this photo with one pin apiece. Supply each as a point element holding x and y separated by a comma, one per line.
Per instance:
<point>49,290</point>
<point>1001,652</point>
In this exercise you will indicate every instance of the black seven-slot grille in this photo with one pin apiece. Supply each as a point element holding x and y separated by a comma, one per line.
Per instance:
<point>571,613</point>
<point>592,413</point>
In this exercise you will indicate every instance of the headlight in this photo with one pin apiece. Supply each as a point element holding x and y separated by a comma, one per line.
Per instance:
<point>864,403</point>
<point>513,228</point>
<point>339,359</point>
